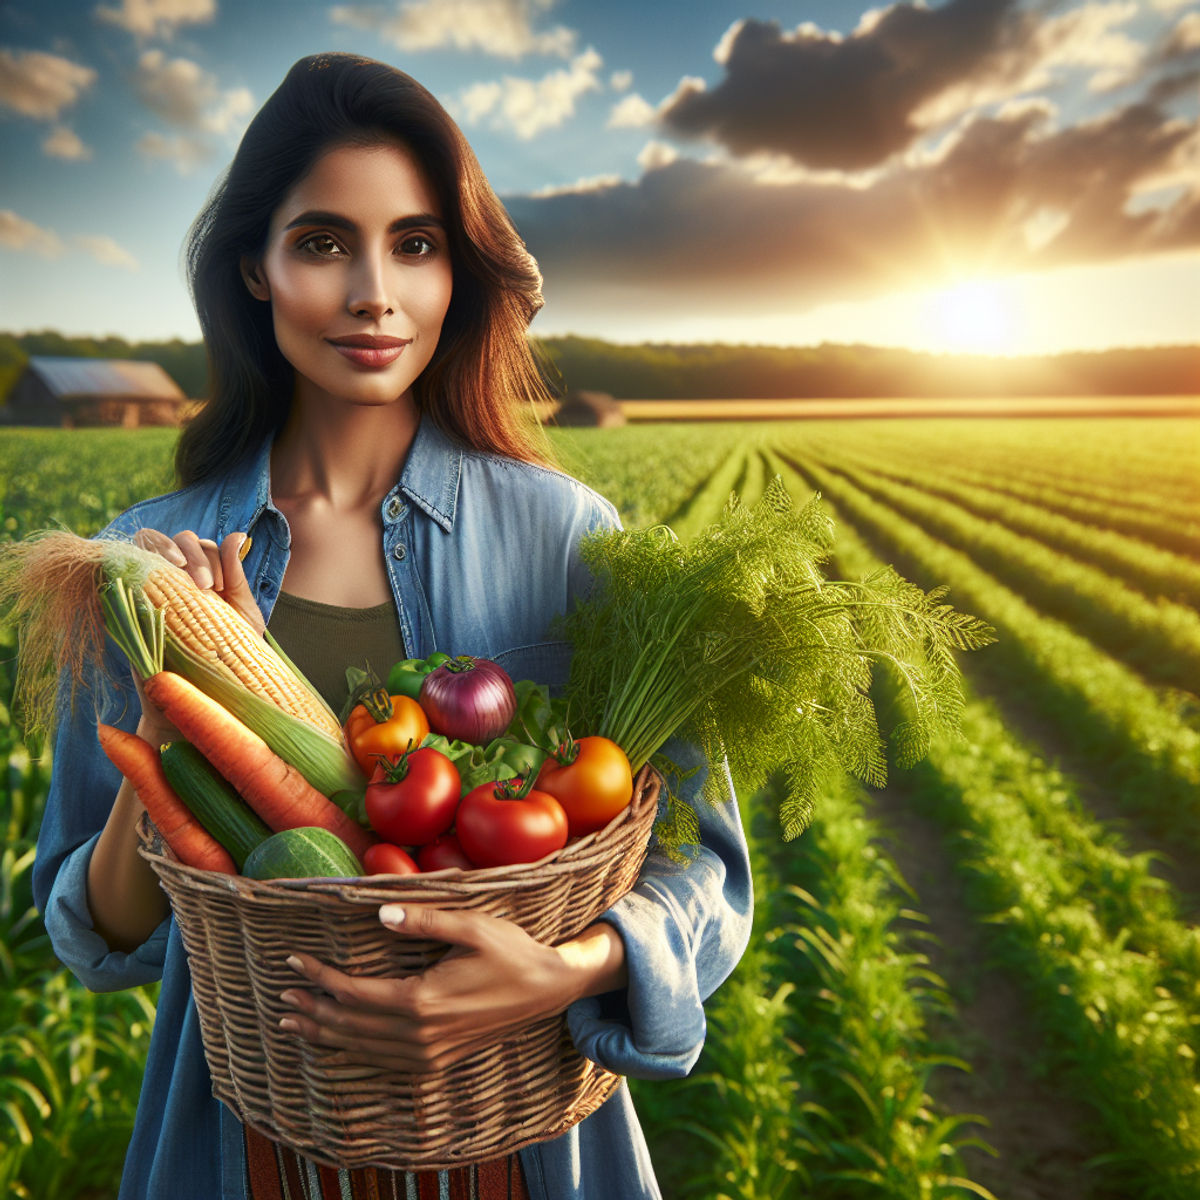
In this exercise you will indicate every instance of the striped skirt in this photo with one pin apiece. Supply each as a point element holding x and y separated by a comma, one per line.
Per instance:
<point>276,1173</point>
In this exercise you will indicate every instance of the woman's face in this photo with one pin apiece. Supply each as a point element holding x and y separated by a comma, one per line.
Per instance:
<point>357,270</point>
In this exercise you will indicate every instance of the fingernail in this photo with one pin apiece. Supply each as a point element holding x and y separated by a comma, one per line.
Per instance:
<point>288,1025</point>
<point>244,547</point>
<point>295,963</point>
<point>290,998</point>
<point>204,579</point>
<point>391,914</point>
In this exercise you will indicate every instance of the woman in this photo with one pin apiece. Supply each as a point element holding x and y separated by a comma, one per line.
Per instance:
<point>364,298</point>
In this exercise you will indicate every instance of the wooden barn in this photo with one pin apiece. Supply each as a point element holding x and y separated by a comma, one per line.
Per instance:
<point>77,392</point>
<point>589,408</point>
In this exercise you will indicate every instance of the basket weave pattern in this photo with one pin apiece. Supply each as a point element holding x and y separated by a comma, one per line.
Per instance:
<point>238,933</point>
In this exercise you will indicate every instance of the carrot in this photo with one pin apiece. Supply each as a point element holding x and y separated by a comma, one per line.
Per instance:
<point>138,761</point>
<point>280,795</point>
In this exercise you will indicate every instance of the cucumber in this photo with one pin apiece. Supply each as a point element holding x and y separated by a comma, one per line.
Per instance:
<point>212,801</point>
<point>303,853</point>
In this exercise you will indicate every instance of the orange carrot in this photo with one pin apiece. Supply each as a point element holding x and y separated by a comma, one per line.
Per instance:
<point>139,762</point>
<point>273,788</point>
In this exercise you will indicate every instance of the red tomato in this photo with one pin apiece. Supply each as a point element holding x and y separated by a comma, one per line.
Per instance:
<point>386,859</point>
<point>443,852</point>
<point>412,800</point>
<point>592,787</point>
<point>496,831</point>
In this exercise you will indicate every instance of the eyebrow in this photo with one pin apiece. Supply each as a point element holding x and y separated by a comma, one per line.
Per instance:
<point>334,221</point>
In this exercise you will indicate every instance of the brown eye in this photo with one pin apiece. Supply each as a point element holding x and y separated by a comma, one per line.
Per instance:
<point>321,245</point>
<point>417,246</point>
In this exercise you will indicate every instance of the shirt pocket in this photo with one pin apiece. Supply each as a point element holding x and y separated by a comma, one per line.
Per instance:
<point>547,663</point>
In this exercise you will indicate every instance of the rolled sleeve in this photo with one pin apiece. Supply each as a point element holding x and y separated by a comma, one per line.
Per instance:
<point>80,947</point>
<point>684,929</point>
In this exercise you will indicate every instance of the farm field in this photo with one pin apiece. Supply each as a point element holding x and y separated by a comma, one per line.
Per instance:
<point>981,979</point>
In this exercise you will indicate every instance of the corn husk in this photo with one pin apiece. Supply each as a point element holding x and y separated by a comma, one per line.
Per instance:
<point>67,593</point>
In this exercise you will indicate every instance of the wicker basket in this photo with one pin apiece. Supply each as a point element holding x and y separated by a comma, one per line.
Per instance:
<point>238,933</point>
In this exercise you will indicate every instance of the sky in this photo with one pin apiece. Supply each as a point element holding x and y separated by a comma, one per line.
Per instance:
<point>1008,176</point>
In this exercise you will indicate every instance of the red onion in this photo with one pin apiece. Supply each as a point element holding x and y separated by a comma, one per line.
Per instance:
<point>471,699</point>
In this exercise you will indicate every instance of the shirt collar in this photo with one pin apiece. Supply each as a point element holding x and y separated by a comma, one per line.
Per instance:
<point>430,480</point>
<point>431,474</point>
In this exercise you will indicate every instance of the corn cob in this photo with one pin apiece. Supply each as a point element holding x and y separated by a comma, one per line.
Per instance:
<point>68,594</point>
<point>218,634</point>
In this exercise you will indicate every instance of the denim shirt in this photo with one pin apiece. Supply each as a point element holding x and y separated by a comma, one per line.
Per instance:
<point>482,553</point>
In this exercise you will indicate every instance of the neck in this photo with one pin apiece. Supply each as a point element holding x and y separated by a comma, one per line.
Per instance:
<point>348,455</point>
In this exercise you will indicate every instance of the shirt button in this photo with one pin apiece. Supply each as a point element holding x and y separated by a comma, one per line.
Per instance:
<point>394,505</point>
<point>398,551</point>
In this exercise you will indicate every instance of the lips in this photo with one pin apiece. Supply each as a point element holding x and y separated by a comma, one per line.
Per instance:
<point>370,350</point>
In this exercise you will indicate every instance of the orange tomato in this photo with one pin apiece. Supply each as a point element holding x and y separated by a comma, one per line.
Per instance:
<point>384,724</point>
<point>591,779</point>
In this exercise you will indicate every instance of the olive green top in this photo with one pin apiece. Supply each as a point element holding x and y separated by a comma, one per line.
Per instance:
<point>323,640</point>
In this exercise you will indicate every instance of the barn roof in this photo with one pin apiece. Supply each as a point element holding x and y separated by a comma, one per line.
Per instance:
<point>76,378</point>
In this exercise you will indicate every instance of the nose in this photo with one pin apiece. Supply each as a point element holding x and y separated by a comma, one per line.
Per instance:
<point>368,295</point>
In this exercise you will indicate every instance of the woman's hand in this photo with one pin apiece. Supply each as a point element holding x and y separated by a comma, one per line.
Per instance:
<point>493,982</point>
<point>209,565</point>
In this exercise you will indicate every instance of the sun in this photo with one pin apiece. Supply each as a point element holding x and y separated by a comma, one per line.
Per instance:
<point>976,315</point>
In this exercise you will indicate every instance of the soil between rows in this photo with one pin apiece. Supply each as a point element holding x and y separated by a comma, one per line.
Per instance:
<point>1170,862</point>
<point>1043,1136</point>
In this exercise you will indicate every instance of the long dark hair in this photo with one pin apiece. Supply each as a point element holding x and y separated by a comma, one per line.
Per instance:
<point>483,366</point>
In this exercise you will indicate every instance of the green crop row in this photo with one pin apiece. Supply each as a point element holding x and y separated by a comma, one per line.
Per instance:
<point>1114,972</point>
<point>1122,461</point>
<point>1151,756</point>
<point>1116,988</point>
<point>1154,571</point>
<point>649,477</point>
<point>1160,639</point>
<point>1036,463</point>
<point>1151,526</point>
<point>815,1079</point>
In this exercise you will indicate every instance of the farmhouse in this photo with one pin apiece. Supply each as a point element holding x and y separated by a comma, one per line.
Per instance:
<point>76,392</point>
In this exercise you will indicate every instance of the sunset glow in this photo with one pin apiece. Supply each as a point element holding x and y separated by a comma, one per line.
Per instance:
<point>975,316</point>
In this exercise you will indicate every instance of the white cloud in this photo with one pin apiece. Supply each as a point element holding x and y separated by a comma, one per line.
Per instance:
<point>632,112</point>
<point>104,250</point>
<point>527,106</point>
<point>184,151</point>
<point>1185,37</point>
<point>1170,5</point>
<point>480,99</point>
<point>158,18</point>
<point>655,155</point>
<point>41,85</point>
<point>185,95</point>
<point>500,27</point>
<point>589,183</point>
<point>16,233</point>
<point>189,98</point>
<point>620,81</point>
<point>65,143</point>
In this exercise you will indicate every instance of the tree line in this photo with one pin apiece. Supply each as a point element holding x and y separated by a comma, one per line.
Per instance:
<point>723,372</point>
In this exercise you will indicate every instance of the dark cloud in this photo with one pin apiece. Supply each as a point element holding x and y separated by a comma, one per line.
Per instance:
<point>1170,87</point>
<point>851,102</point>
<point>1007,194</point>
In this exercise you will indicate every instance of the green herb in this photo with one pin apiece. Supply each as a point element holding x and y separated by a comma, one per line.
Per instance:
<point>736,641</point>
